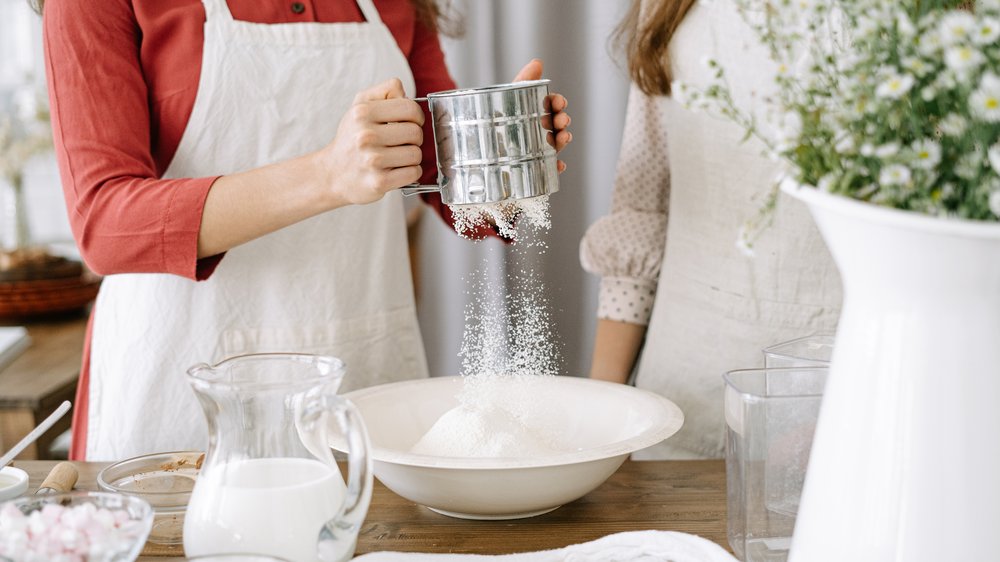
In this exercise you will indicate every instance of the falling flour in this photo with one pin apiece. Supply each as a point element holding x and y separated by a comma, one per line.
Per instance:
<point>507,345</point>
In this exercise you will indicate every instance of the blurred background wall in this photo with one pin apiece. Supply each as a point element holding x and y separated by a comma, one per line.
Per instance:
<point>571,36</point>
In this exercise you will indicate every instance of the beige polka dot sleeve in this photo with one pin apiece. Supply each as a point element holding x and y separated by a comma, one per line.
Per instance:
<point>626,247</point>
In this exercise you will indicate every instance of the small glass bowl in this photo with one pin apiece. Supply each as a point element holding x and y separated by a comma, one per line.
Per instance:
<point>165,480</point>
<point>126,541</point>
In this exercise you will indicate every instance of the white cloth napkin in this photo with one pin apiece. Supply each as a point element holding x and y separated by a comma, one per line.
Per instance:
<point>633,546</point>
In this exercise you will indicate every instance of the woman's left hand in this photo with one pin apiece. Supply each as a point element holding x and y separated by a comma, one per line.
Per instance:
<point>558,120</point>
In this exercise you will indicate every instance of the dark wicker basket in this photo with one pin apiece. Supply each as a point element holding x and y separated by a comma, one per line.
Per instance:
<point>45,286</point>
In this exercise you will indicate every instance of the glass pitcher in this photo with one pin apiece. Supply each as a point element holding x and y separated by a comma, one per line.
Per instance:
<point>269,483</point>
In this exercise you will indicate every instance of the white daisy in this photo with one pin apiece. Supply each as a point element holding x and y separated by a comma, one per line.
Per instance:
<point>927,154</point>
<point>916,65</point>
<point>985,100</point>
<point>986,32</point>
<point>929,43</point>
<point>845,145</point>
<point>887,150</point>
<point>866,27</point>
<point>969,166</point>
<point>956,27</point>
<point>904,25</point>
<point>953,125</point>
<point>995,203</point>
<point>962,58</point>
<point>895,86</point>
<point>895,174</point>
<point>994,156</point>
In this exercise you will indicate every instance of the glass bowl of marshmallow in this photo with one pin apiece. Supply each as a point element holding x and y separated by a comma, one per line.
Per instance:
<point>74,527</point>
<point>506,447</point>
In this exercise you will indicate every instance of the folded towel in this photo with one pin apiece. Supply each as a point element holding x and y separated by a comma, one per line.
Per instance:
<point>634,546</point>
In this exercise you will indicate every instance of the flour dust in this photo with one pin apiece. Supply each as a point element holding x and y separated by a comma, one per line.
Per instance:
<point>509,342</point>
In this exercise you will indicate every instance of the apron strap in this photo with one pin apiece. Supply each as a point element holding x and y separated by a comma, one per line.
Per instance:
<point>369,10</point>
<point>217,9</point>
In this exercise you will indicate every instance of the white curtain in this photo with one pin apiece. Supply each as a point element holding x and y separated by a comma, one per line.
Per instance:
<point>572,37</point>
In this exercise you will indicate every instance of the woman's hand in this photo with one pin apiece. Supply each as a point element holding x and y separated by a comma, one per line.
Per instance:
<point>555,104</point>
<point>376,149</point>
<point>377,146</point>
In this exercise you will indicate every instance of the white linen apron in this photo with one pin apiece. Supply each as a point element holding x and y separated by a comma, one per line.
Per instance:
<point>715,308</point>
<point>338,283</point>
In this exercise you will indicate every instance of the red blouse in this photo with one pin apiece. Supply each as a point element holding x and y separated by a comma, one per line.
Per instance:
<point>122,78</point>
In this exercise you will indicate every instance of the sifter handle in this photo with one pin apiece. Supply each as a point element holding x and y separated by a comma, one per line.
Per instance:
<point>415,188</point>
<point>61,478</point>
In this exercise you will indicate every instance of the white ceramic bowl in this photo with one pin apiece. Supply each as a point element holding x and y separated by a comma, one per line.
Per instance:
<point>604,422</point>
<point>13,483</point>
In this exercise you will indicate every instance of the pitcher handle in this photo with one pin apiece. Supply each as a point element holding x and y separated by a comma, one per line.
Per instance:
<point>359,464</point>
<point>339,536</point>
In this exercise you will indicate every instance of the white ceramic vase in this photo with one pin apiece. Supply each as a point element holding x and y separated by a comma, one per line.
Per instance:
<point>905,465</point>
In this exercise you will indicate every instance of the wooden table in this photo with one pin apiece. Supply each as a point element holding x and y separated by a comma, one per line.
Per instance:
<point>35,383</point>
<point>687,496</point>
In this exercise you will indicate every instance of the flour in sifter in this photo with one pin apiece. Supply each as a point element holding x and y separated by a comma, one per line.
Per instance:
<point>504,215</point>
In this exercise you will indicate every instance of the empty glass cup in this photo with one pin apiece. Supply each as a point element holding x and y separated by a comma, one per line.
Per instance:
<point>771,416</point>
<point>810,351</point>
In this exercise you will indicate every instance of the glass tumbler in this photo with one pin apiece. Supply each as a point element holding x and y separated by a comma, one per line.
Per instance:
<point>771,416</point>
<point>810,351</point>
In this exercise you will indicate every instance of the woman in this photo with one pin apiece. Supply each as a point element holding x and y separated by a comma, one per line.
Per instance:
<point>667,253</point>
<point>223,171</point>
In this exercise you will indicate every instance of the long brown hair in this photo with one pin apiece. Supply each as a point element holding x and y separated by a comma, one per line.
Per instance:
<point>437,16</point>
<point>645,34</point>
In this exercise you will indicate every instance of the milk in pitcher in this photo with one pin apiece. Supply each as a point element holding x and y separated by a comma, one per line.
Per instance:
<point>275,506</point>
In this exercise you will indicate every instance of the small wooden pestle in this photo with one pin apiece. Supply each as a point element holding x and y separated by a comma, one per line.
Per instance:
<point>61,479</point>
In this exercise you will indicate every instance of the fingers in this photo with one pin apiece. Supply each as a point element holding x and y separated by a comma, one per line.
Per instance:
<point>395,111</point>
<point>390,89</point>
<point>396,157</point>
<point>399,134</point>
<point>555,103</point>
<point>560,140</point>
<point>398,177</point>
<point>531,71</point>
<point>562,121</point>
<point>560,166</point>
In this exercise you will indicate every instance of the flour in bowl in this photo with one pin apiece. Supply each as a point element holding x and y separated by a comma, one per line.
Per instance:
<point>493,433</point>
<point>498,416</point>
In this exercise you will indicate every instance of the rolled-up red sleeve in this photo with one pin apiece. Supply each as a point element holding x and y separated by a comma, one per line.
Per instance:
<point>430,74</point>
<point>124,217</point>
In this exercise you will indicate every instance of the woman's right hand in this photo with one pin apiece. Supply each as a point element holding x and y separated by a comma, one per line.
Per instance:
<point>377,146</point>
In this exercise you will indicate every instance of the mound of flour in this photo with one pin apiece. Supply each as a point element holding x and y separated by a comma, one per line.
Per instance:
<point>469,432</point>
<point>498,416</point>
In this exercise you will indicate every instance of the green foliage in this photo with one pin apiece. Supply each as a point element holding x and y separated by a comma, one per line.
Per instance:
<point>893,102</point>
